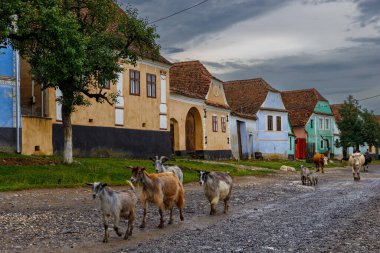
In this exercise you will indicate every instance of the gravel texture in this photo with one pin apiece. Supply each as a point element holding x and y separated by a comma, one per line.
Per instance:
<point>274,213</point>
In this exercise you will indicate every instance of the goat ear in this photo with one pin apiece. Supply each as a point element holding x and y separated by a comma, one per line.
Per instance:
<point>90,184</point>
<point>104,185</point>
<point>129,167</point>
<point>152,158</point>
<point>142,168</point>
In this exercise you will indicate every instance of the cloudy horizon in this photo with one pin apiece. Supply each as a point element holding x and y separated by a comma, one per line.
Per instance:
<point>331,45</point>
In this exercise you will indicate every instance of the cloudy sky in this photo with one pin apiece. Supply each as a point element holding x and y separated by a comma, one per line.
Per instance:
<point>332,45</point>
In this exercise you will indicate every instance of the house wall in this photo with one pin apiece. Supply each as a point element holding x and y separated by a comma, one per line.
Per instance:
<point>7,100</point>
<point>249,128</point>
<point>216,93</point>
<point>314,131</point>
<point>291,137</point>
<point>272,142</point>
<point>135,126</point>
<point>217,145</point>
<point>36,132</point>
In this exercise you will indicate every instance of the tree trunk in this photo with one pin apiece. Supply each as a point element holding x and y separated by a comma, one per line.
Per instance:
<point>67,138</point>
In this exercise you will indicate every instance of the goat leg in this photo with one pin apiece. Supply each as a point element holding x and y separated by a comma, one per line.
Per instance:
<point>171,216</point>
<point>116,225</point>
<point>225,206</point>
<point>144,217</point>
<point>106,234</point>
<point>180,214</point>
<point>161,218</point>
<point>213,209</point>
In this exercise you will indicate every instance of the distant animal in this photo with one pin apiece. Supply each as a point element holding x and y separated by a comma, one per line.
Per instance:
<point>357,161</point>
<point>160,167</point>
<point>116,205</point>
<point>304,173</point>
<point>287,168</point>
<point>312,178</point>
<point>319,161</point>
<point>162,189</point>
<point>217,186</point>
<point>368,160</point>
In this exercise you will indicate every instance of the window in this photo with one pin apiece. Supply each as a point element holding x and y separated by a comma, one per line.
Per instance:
<point>151,85</point>
<point>327,125</point>
<point>134,82</point>
<point>270,123</point>
<point>214,123</point>
<point>223,124</point>
<point>278,123</point>
<point>290,143</point>
<point>107,85</point>
<point>321,123</point>
<point>322,144</point>
<point>311,123</point>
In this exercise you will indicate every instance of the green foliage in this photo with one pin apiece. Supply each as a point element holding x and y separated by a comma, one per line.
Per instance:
<point>351,124</point>
<point>76,45</point>
<point>358,126</point>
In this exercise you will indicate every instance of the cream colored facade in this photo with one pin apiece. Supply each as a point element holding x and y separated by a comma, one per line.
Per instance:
<point>214,144</point>
<point>137,114</point>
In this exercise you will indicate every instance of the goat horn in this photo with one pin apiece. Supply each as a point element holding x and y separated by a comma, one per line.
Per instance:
<point>163,157</point>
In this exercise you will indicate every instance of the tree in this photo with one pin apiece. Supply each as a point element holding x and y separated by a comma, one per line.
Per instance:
<point>371,128</point>
<point>76,46</point>
<point>351,124</point>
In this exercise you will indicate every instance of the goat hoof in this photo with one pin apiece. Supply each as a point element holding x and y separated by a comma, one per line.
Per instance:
<point>161,225</point>
<point>126,237</point>
<point>142,226</point>
<point>105,240</point>
<point>181,218</point>
<point>170,222</point>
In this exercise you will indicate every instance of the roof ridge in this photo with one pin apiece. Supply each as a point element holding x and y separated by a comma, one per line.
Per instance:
<point>289,91</point>
<point>242,80</point>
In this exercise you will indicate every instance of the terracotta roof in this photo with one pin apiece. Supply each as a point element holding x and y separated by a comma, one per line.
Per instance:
<point>190,79</point>
<point>246,96</point>
<point>300,105</point>
<point>335,109</point>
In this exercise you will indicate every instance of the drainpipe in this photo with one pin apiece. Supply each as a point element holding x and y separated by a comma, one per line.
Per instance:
<point>42,99</point>
<point>18,113</point>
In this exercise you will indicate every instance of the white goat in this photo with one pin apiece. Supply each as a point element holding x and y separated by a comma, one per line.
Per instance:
<point>160,167</point>
<point>116,205</point>
<point>217,186</point>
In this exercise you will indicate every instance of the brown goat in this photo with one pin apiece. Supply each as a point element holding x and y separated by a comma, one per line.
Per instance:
<point>162,189</point>
<point>319,161</point>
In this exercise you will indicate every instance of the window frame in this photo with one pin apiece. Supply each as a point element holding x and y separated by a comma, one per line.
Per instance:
<point>134,79</point>
<point>278,126</point>
<point>327,124</point>
<point>223,124</point>
<point>321,123</point>
<point>151,85</point>
<point>214,123</point>
<point>271,123</point>
<point>311,123</point>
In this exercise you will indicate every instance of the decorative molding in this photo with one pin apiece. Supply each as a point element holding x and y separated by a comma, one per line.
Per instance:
<point>154,64</point>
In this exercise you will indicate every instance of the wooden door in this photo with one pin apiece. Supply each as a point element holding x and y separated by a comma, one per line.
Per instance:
<point>172,137</point>
<point>190,132</point>
<point>300,150</point>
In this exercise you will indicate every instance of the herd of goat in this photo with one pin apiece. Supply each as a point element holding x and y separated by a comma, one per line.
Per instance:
<point>165,189</point>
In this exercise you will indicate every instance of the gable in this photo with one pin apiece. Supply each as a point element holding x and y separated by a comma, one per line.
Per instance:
<point>323,107</point>
<point>273,100</point>
<point>216,93</point>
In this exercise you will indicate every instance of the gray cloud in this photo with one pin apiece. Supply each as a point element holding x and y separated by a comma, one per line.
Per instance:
<point>212,16</point>
<point>367,40</point>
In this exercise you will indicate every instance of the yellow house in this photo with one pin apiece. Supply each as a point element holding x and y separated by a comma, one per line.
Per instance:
<point>136,126</point>
<point>198,112</point>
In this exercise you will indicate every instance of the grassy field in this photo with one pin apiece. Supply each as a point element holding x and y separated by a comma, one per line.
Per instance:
<point>45,172</point>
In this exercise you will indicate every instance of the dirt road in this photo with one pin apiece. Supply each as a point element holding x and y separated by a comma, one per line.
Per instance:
<point>267,214</point>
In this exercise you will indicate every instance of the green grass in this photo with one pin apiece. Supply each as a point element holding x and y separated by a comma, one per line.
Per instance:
<point>114,171</point>
<point>276,165</point>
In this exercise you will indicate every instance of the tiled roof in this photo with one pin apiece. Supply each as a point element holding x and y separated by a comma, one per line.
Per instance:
<point>190,79</point>
<point>246,96</point>
<point>212,103</point>
<point>335,109</point>
<point>300,105</point>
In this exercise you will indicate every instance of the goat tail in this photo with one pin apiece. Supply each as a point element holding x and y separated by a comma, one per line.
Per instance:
<point>130,184</point>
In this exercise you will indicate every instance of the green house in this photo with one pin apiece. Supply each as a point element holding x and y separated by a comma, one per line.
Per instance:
<point>312,122</point>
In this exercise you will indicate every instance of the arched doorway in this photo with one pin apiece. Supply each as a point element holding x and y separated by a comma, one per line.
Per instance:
<point>193,130</point>
<point>174,135</point>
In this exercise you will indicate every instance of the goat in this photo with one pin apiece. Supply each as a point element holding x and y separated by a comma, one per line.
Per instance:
<point>116,205</point>
<point>304,173</point>
<point>312,178</point>
<point>217,186</point>
<point>357,161</point>
<point>162,189</point>
<point>319,161</point>
<point>160,167</point>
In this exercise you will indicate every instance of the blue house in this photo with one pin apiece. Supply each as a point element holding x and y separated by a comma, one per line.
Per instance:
<point>9,100</point>
<point>259,120</point>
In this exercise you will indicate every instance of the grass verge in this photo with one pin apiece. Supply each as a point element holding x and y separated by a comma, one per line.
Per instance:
<point>47,172</point>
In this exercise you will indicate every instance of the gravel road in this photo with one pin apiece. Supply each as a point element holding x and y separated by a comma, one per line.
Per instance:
<point>274,213</point>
